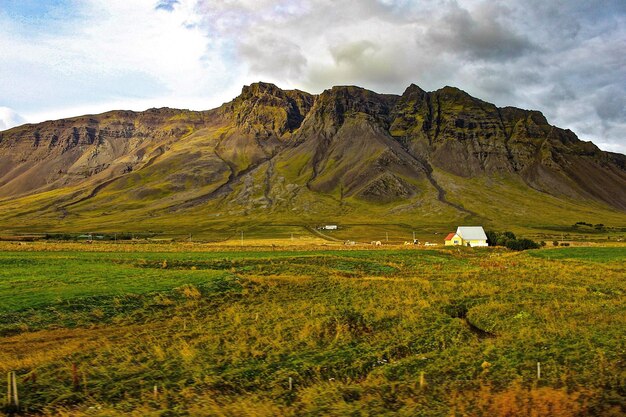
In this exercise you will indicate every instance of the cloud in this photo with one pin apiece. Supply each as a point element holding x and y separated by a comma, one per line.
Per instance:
<point>112,51</point>
<point>167,5</point>
<point>563,57</point>
<point>287,60</point>
<point>610,106</point>
<point>477,34</point>
<point>9,118</point>
<point>362,62</point>
<point>353,52</point>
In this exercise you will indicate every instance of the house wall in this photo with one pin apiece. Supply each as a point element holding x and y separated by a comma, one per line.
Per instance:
<point>474,243</point>
<point>455,241</point>
<point>458,240</point>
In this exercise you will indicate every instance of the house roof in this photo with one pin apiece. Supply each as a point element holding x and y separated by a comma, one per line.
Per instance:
<point>471,232</point>
<point>450,236</point>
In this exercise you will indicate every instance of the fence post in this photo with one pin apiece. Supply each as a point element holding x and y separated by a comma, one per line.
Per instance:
<point>15,397</point>
<point>538,370</point>
<point>13,401</point>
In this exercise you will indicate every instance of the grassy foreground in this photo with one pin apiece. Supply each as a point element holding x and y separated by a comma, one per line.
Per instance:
<point>168,330</point>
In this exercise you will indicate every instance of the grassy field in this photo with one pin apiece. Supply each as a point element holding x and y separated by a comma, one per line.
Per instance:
<point>190,329</point>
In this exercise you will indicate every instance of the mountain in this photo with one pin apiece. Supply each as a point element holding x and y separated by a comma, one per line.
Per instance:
<point>271,155</point>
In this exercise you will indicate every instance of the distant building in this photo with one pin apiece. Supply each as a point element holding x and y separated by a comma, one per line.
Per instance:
<point>330,227</point>
<point>473,236</point>
<point>453,240</point>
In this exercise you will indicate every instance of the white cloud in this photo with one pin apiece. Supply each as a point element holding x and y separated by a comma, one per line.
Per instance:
<point>9,118</point>
<point>114,51</point>
<point>613,146</point>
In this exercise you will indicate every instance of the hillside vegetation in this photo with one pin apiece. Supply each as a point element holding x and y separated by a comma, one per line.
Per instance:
<point>174,330</point>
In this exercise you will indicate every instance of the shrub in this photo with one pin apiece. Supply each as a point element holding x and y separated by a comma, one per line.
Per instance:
<point>492,237</point>
<point>555,243</point>
<point>522,244</point>
<point>509,240</point>
<point>509,235</point>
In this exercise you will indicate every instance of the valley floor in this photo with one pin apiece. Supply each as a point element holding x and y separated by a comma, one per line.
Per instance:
<point>206,330</point>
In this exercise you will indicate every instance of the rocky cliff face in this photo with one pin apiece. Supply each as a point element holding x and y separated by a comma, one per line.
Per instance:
<point>469,137</point>
<point>346,143</point>
<point>265,110</point>
<point>348,150</point>
<point>54,154</point>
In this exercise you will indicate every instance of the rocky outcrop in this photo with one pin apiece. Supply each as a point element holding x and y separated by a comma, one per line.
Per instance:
<point>347,141</point>
<point>265,110</point>
<point>469,137</point>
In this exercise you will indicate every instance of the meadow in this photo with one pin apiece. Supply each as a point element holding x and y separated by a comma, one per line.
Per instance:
<point>317,330</point>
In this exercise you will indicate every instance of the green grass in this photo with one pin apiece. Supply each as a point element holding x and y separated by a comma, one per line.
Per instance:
<point>221,332</point>
<point>607,254</point>
<point>46,278</point>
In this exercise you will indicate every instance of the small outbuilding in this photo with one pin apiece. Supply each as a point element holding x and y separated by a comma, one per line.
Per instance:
<point>473,236</point>
<point>453,240</point>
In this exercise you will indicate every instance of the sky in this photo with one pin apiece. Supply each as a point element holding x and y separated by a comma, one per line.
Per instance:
<point>566,58</point>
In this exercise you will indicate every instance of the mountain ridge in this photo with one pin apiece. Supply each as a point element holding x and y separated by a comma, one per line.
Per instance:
<point>269,151</point>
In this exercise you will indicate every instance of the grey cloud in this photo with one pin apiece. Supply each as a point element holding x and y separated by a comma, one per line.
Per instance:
<point>375,73</point>
<point>478,35</point>
<point>490,82</point>
<point>274,57</point>
<point>353,52</point>
<point>610,104</point>
<point>381,66</point>
<point>557,57</point>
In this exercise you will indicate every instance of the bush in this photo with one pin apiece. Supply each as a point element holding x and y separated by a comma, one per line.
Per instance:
<point>492,237</point>
<point>555,243</point>
<point>509,240</point>
<point>509,235</point>
<point>522,244</point>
